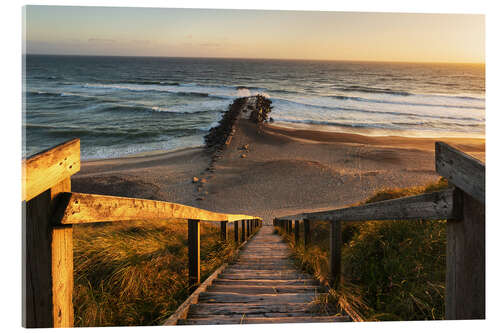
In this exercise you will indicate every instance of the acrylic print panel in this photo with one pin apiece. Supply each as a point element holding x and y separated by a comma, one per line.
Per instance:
<point>223,158</point>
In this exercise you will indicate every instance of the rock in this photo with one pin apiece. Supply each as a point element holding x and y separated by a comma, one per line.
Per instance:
<point>195,179</point>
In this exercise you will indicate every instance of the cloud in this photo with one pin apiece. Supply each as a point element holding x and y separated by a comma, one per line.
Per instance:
<point>101,41</point>
<point>211,45</point>
<point>141,41</point>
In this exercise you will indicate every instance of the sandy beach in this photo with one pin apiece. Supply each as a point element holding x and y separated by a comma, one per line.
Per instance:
<point>284,171</point>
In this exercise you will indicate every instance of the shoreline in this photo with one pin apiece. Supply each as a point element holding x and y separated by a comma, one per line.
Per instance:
<point>318,136</point>
<point>267,170</point>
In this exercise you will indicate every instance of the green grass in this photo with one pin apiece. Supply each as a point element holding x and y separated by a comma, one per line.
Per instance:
<point>391,270</point>
<point>135,273</point>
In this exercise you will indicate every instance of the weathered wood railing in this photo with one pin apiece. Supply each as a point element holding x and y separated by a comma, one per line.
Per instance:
<point>462,206</point>
<point>49,211</point>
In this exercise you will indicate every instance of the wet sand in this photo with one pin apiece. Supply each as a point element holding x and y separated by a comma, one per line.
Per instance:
<point>285,171</point>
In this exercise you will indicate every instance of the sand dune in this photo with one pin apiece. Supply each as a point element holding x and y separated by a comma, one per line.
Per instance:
<point>285,171</point>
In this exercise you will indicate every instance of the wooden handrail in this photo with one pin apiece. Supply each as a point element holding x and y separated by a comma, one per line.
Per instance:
<point>76,208</point>
<point>436,205</point>
<point>51,209</point>
<point>463,208</point>
<point>464,171</point>
<point>41,171</point>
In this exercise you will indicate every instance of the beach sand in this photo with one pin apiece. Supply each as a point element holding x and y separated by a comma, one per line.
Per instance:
<point>285,171</point>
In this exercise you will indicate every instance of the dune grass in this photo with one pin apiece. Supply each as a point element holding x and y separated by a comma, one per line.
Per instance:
<point>135,273</point>
<point>391,270</point>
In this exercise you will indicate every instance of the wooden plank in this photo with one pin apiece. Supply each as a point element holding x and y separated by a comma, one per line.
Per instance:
<point>194,252</point>
<point>243,269</point>
<point>242,319</point>
<point>253,290</point>
<point>42,171</point>
<point>335,253</point>
<point>48,259</point>
<point>203,310</point>
<point>465,261</point>
<point>227,297</point>
<point>295,276</point>
<point>464,171</point>
<point>264,282</point>
<point>436,205</point>
<point>91,208</point>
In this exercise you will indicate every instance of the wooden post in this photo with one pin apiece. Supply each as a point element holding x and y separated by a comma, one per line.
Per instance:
<point>465,244</point>
<point>296,230</point>
<point>48,254</point>
<point>248,228</point>
<point>194,253</point>
<point>465,260</point>
<point>307,233</point>
<point>47,269</point>
<point>223,231</point>
<point>236,236</point>
<point>335,253</point>
<point>289,226</point>
<point>243,236</point>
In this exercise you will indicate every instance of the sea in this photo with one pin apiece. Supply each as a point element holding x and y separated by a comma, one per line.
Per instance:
<point>120,106</point>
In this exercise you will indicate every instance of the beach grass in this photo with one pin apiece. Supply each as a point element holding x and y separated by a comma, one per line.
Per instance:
<point>135,273</point>
<point>391,270</point>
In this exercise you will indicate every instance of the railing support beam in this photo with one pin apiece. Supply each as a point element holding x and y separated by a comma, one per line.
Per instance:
<point>243,236</point>
<point>236,236</point>
<point>194,253</point>
<point>307,233</point>
<point>296,231</point>
<point>335,253</point>
<point>223,231</point>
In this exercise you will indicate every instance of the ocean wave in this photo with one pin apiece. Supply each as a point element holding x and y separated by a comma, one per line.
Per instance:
<point>148,82</point>
<point>334,123</point>
<point>151,88</point>
<point>337,108</point>
<point>145,108</point>
<point>380,101</point>
<point>111,132</point>
<point>373,90</point>
<point>385,125</point>
<point>38,93</point>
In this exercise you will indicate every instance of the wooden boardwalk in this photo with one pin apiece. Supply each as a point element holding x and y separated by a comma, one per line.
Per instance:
<point>261,286</point>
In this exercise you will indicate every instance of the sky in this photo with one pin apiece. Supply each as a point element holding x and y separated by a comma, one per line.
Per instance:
<point>316,35</point>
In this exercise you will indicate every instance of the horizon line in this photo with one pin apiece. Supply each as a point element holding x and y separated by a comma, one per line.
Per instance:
<point>243,58</point>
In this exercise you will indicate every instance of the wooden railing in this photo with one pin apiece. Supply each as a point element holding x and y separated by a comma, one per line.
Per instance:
<point>49,211</point>
<point>462,206</point>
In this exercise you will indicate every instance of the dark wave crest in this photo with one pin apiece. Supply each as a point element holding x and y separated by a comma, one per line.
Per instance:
<point>373,90</point>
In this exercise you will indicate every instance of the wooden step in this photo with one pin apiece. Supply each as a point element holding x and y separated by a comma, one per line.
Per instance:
<point>255,276</point>
<point>261,286</point>
<point>202,310</point>
<point>227,297</point>
<point>225,320</point>
<point>264,282</point>
<point>254,290</point>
